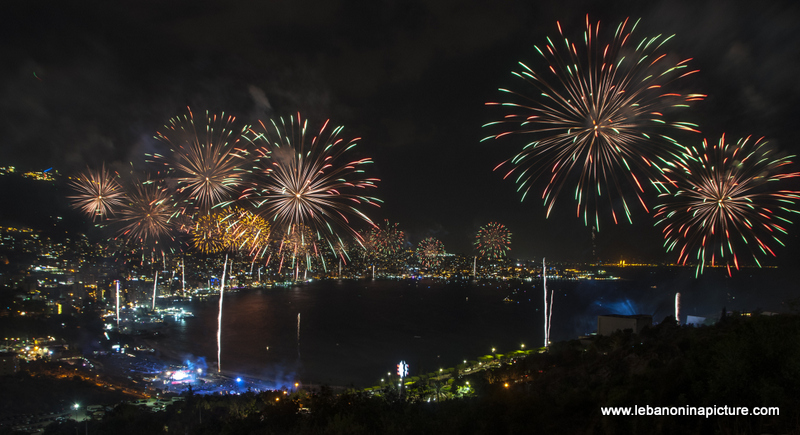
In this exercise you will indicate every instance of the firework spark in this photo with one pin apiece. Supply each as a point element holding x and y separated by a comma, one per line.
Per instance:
<point>724,198</point>
<point>596,118</point>
<point>493,240</point>
<point>311,182</point>
<point>98,193</point>
<point>204,160</point>
<point>429,253</point>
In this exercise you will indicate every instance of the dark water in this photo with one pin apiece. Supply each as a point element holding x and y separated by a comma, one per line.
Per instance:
<point>354,332</point>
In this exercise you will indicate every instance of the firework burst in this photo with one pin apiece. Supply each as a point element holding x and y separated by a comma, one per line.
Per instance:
<point>98,194</point>
<point>595,117</point>
<point>215,231</point>
<point>724,198</point>
<point>429,253</point>
<point>493,241</point>
<point>251,232</point>
<point>204,159</point>
<point>308,178</point>
<point>385,243</point>
<point>146,216</point>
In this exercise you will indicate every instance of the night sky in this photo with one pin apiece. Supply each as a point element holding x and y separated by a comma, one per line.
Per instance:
<point>91,82</point>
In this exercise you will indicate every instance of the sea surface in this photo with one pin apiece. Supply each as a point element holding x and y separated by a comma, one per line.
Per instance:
<point>354,332</point>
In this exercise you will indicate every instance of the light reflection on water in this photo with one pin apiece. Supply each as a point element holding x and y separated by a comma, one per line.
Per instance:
<point>354,332</point>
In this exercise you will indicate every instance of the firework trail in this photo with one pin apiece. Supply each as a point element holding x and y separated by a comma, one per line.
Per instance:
<point>219,315</point>
<point>308,178</point>
<point>678,307</point>
<point>725,198</point>
<point>596,118</point>
<point>548,312</point>
<point>493,241</point>
<point>298,335</point>
<point>203,159</point>
<point>98,194</point>
<point>117,285</point>
<point>155,288</point>
<point>429,253</point>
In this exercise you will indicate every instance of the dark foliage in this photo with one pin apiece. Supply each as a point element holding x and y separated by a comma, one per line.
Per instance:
<point>738,362</point>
